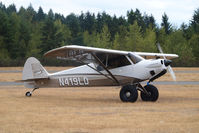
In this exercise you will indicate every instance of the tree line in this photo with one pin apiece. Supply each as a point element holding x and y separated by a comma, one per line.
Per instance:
<point>27,32</point>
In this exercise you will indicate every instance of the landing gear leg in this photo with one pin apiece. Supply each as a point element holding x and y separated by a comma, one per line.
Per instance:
<point>148,92</point>
<point>29,93</point>
<point>142,89</point>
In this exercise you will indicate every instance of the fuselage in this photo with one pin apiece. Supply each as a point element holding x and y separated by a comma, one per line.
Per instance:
<point>91,75</point>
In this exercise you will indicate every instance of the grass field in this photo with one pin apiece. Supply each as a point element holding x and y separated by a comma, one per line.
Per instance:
<point>98,109</point>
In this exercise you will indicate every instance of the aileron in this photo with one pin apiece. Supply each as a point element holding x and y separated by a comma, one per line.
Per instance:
<point>154,55</point>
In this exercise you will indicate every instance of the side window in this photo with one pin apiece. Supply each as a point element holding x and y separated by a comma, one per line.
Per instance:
<point>112,61</point>
<point>117,61</point>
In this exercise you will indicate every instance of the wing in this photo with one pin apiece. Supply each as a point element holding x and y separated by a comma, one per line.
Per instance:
<point>156,55</point>
<point>96,55</point>
<point>86,55</point>
<point>81,53</point>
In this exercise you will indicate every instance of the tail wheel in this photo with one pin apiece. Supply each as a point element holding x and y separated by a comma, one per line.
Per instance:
<point>129,93</point>
<point>28,94</point>
<point>153,93</point>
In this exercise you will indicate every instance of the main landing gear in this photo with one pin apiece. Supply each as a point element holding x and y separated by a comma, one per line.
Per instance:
<point>129,93</point>
<point>29,93</point>
<point>152,95</point>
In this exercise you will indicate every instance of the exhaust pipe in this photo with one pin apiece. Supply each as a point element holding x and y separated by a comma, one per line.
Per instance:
<point>158,75</point>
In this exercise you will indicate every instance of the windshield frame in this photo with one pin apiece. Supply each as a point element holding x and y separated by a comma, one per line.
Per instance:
<point>134,57</point>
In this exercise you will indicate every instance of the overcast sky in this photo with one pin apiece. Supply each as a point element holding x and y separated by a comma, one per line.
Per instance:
<point>178,11</point>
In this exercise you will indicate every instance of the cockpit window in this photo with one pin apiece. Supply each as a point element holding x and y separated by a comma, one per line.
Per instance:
<point>113,61</point>
<point>117,61</point>
<point>135,58</point>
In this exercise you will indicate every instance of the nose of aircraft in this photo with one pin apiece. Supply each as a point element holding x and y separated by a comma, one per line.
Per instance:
<point>167,62</point>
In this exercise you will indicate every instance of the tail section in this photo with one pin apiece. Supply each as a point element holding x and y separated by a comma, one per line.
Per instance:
<point>32,71</point>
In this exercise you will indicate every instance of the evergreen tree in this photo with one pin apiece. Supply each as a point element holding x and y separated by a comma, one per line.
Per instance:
<point>195,21</point>
<point>2,7</point>
<point>149,40</point>
<point>27,33</point>
<point>136,17</point>
<point>120,41</point>
<point>48,36</point>
<point>22,12</point>
<point>73,24</point>
<point>40,15</point>
<point>165,24</point>
<point>99,23</point>
<point>122,21</point>
<point>134,42</point>
<point>194,43</point>
<point>63,34</point>
<point>103,38</point>
<point>33,48</point>
<point>89,39</point>
<point>51,15</point>
<point>89,22</point>
<point>3,32</point>
<point>23,38</point>
<point>31,14</point>
<point>114,27</point>
<point>178,44</point>
<point>131,16</point>
<point>12,36</point>
<point>149,21</point>
<point>11,8</point>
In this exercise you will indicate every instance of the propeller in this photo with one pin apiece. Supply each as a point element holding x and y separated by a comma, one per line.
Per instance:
<point>167,63</point>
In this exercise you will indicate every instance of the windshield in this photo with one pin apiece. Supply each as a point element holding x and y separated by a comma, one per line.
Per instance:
<point>135,58</point>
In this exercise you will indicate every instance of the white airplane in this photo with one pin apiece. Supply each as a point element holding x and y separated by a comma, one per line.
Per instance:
<point>103,67</point>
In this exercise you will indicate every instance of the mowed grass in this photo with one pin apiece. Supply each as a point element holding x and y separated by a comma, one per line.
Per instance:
<point>72,110</point>
<point>98,109</point>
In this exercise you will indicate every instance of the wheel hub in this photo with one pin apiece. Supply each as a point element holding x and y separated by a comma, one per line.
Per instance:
<point>149,93</point>
<point>128,94</point>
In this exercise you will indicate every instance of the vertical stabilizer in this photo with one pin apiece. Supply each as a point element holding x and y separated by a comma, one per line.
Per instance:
<point>33,69</point>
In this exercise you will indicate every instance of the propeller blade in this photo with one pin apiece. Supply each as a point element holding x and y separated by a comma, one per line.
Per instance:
<point>160,49</point>
<point>168,67</point>
<point>172,73</point>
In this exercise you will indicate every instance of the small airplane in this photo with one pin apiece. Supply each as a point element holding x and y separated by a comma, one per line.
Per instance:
<point>103,67</point>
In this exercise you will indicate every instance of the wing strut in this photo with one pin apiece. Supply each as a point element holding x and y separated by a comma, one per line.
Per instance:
<point>99,61</point>
<point>96,70</point>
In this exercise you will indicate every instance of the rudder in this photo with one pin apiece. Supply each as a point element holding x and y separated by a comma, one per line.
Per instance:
<point>33,69</point>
